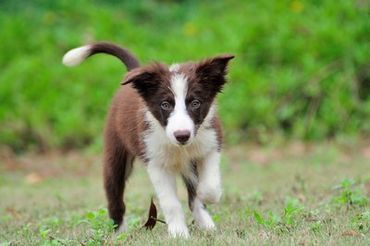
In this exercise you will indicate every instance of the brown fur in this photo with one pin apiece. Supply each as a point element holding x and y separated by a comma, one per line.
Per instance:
<point>123,142</point>
<point>123,54</point>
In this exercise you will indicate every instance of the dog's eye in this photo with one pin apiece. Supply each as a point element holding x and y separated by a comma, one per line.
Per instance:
<point>195,104</point>
<point>166,105</point>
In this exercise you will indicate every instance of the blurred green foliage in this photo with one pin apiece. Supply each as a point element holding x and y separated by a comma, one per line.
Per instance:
<point>302,68</point>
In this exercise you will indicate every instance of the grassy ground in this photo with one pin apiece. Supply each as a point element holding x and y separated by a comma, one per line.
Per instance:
<point>299,194</point>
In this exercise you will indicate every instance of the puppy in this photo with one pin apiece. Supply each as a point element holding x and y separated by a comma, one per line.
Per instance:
<point>166,116</point>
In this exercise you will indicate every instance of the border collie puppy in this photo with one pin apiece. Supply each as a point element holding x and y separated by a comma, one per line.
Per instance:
<point>166,116</point>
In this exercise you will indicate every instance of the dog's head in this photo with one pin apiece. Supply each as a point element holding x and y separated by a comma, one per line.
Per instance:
<point>180,96</point>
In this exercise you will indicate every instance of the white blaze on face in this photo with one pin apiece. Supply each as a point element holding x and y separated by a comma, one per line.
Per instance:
<point>179,120</point>
<point>174,67</point>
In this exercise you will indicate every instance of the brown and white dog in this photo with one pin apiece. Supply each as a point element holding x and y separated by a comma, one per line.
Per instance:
<point>166,116</point>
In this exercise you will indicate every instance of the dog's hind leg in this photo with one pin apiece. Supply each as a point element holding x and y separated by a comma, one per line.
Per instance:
<point>200,214</point>
<point>117,168</point>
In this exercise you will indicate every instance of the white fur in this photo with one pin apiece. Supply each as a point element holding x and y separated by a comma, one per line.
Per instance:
<point>167,158</point>
<point>174,157</point>
<point>164,184</point>
<point>179,119</point>
<point>174,67</point>
<point>76,56</point>
<point>209,187</point>
<point>201,216</point>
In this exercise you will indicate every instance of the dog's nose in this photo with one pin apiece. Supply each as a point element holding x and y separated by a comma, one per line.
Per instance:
<point>182,136</point>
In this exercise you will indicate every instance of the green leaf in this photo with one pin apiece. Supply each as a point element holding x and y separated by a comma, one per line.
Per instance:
<point>258,217</point>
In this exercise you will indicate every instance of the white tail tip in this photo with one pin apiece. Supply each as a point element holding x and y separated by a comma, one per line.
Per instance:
<point>76,56</point>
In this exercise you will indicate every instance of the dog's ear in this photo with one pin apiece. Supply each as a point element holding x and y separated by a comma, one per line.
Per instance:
<point>212,72</point>
<point>146,80</point>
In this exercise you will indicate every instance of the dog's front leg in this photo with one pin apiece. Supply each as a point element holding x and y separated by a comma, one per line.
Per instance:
<point>209,187</point>
<point>164,184</point>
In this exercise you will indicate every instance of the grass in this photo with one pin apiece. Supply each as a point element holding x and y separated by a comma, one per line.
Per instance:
<point>296,194</point>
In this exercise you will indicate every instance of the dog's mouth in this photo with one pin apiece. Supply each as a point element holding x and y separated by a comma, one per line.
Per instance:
<point>184,144</point>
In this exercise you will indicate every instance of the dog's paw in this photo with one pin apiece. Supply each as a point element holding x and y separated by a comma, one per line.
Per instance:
<point>209,194</point>
<point>178,230</point>
<point>207,225</point>
<point>204,221</point>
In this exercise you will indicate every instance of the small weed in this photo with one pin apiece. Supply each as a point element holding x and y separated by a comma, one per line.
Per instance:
<point>350,194</point>
<point>100,226</point>
<point>48,239</point>
<point>287,219</point>
<point>316,226</point>
<point>44,232</point>
<point>361,222</point>
<point>269,221</point>
<point>291,210</point>
<point>121,237</point>
<point>216,217</point>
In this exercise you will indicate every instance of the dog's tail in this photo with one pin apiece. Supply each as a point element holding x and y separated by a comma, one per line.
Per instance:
<point>76,56</point>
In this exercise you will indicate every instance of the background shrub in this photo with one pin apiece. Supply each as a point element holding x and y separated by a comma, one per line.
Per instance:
<point>301,67</point>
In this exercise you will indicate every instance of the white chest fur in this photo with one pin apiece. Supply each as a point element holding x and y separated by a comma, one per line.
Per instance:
<point>173,157</point>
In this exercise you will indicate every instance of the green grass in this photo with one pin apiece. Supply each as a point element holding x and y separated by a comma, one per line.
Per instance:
<point>301,67</point>
<point>296,194</point>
